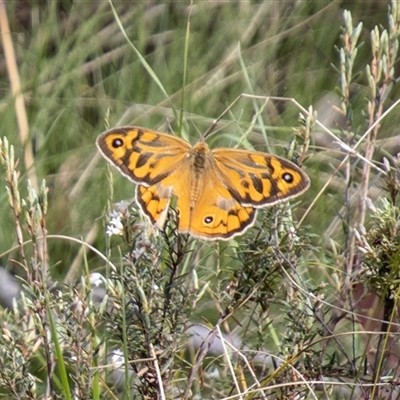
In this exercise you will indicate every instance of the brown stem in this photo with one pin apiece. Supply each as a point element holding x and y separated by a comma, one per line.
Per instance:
<point>15,83</point>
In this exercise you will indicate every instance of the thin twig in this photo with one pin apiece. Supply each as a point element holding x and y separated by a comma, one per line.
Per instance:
<point>157,367</point>
<point>228,360</point>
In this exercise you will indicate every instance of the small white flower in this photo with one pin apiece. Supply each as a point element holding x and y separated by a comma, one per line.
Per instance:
<point>115,226</point>
<point>138,252</point>
<point>118,373</point>
<point>114,214</point>
<point>96,279</point>
<point>122,207</point>
<point>117,358</point>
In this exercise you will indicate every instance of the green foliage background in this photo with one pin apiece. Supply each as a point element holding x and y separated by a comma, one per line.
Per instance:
<point>75,64</point>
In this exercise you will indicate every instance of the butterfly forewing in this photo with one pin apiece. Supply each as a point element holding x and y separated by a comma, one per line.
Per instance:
<point>144,156</point>
<point>259,179</point>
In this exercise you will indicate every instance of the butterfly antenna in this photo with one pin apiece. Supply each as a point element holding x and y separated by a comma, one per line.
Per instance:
<point>216,121</point>
<point>211,128</point>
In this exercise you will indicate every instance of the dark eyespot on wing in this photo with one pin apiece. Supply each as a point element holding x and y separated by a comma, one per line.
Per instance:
<point>287,177</point>
<point>117,143</point>
<point>208,219</point>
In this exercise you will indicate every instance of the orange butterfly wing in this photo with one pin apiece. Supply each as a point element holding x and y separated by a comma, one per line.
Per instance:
<point>144,156</point>
<point>229,184</point>
<point>212,212</point>
<point>147,158</point>
<point>259,179</point>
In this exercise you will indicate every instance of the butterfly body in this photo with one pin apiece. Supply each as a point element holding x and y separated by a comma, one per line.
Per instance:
<point>217,191</point>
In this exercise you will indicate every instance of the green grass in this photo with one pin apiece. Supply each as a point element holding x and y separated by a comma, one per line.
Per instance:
<point>304,299</point>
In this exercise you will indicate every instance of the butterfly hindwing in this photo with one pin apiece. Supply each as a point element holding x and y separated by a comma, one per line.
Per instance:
<point>154,202</point>
<point>209,209</point>
<point>216,217</point>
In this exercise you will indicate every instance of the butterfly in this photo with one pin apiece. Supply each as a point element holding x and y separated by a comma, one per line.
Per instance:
<point>217,191</point>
